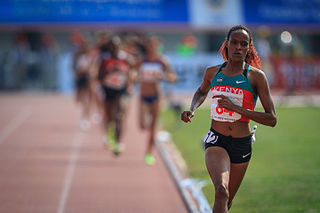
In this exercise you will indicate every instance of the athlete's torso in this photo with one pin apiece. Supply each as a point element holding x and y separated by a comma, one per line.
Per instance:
<point>115,72</point>
<point>151,71</point>
<point>238,89</point>
<point>83,63</point>
<point>150,74</point>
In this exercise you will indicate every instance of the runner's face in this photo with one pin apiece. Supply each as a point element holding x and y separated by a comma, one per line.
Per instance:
<point>113,48</point>
<point>152,46</point>
<point>238,45</point>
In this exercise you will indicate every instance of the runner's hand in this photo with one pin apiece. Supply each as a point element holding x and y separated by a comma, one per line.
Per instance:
<point>225,102</point>
<point>171,78</point>
<point>186,116</point>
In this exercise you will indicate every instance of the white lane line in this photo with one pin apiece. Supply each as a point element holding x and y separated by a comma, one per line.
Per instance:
<point>14,123</point>
<point>77,142</point>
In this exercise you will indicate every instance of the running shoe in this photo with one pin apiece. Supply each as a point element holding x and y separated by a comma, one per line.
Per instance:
<point>110,140</point>
<point>149,159</point>
<point>118,148</point>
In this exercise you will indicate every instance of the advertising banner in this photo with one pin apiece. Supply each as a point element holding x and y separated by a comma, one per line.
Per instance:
<point>292,74</point>
<point>198,14</point>
<point>281,11</point>
<point>298,73</point>
<point>107,11</point>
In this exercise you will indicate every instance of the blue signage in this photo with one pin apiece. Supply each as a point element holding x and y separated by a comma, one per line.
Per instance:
<point>106,11</point>
<point>281,11</point>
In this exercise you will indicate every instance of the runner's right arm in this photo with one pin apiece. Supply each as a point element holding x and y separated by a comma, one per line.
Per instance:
<point>200,95</point>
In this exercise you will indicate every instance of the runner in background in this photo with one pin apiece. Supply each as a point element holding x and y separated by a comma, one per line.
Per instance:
<point>152,69</point>
<point>114,76</point>
<point>99,52</point>
<point>81,66</point>
<point>131,53</point>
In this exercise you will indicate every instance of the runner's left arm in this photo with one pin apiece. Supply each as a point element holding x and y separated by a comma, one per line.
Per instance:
<point>171,74</point>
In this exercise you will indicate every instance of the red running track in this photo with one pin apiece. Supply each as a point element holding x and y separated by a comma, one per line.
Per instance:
<point>47,165</point>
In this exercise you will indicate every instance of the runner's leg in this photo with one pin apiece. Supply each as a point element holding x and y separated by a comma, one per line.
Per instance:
<point>218,166</point>
<point>237,172</point>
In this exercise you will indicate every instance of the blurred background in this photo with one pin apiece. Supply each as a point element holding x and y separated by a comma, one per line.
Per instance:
<point>38,38</point>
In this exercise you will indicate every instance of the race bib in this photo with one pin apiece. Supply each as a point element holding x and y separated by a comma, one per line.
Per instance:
<point>151,72</point>
<point>83,63</point>
<point>115,80</point>
<point>221,114</point>
<point>211,137</point>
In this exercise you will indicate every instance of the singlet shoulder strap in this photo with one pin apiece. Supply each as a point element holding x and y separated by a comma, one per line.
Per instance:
<point>222,65</point>
<point>246,70</point>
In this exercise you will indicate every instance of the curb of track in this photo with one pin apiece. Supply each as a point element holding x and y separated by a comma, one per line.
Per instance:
<point>189,189</point>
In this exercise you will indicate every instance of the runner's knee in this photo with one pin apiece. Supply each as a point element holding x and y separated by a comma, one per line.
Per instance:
<point>221,193</point>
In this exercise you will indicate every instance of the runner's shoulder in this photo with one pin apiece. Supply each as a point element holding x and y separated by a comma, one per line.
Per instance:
<point>212,70</point>
<point>256,73</point>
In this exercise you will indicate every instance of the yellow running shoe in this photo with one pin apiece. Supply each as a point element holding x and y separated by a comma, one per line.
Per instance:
<point>149,159</point>
<point>110,140</point>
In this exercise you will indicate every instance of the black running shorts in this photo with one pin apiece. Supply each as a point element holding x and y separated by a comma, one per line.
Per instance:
<point>111,94</point>
<point>82,81</point>
<point>238,149</point>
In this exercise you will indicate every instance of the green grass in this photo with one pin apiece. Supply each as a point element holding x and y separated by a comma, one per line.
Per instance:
<point>284,171</point>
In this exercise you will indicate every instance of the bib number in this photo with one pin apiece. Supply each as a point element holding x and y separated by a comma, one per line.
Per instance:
<point>211,138</point>
<point>220,111</point>
<point>115,80</point>
<point>222,114</point>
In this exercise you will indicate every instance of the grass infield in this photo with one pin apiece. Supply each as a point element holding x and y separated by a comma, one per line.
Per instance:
<point>284,171</point>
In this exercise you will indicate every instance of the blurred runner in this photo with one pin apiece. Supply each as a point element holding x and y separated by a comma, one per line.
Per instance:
<point>82,64</point>
<point>152,69</point>
<point>99,52</point>
<point>115,79</point>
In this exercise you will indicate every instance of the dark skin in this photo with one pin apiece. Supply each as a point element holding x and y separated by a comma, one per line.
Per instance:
<point>225,175</point>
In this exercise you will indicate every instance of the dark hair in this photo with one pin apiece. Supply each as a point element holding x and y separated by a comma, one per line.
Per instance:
<point>252,57</point>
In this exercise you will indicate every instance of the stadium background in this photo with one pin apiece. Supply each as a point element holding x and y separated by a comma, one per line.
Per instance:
<point>286,34</point>
<point>38,39</point>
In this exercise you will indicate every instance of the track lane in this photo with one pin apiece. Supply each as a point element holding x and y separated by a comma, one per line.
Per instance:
<point>36,158</point>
